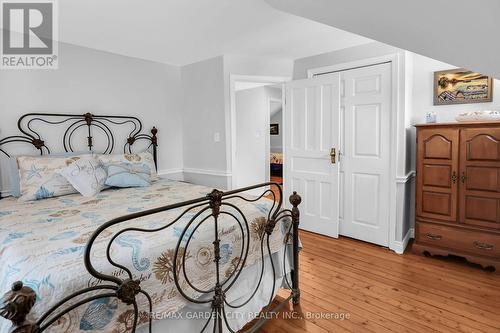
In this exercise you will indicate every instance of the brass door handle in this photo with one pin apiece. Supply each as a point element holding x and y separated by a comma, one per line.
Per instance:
<point>433,236</point>
<point>484,246</point>
<point>333,155</point>
<point>463,177</point>
<point>454,177</point>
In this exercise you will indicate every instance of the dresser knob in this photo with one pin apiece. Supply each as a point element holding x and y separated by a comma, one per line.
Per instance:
<point>463,177</point>
<point>433,236</point>
<point>454,177</point>
<point>484,246</point>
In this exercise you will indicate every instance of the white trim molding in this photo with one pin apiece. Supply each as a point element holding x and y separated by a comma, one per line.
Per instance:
<point>213,178</point>
<point>351,65</point>
<point>405,179</point>
<point>174,174</point>
<point>5,193</point>
<point>166,172</point>
<point>209,172</point>
<point>400,246</point>
<point>231,115</point>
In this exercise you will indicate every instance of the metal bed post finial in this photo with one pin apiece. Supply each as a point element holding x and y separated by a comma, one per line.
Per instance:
<point>154,143</point>
<point>215,202</point>
<point>88,120</point>
<point>295,200</point>
<point>15,306</point>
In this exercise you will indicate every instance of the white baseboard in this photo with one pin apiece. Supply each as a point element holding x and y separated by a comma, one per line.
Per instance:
<point>213,178</point>
<point>5,193</point>
<point>400,246</point>
<point>175,174</point>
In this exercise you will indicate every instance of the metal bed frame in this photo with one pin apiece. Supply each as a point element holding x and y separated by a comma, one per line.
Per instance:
<point>16,304</point>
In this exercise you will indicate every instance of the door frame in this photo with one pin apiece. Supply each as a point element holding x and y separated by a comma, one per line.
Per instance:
<point>231,123</point>
<point>398,174</point>
<point>268,135</point>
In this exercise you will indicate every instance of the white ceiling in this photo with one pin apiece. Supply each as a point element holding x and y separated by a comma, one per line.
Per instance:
<point>180,32</point>
<point>464,33</point>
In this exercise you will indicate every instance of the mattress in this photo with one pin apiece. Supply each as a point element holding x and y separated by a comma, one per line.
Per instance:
<point>42,244</point>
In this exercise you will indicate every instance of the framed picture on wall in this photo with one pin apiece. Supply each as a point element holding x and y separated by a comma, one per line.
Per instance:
<point>275,129</point>
<point>462,86</point>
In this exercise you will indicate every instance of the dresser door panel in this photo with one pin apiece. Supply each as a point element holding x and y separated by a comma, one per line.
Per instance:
<point>480,177</point>
<point>437,173</point>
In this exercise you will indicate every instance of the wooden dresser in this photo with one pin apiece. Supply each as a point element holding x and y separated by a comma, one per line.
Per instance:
<point>458,191</point>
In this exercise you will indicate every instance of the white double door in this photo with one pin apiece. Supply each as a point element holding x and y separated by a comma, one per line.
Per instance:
<point>337,151</point>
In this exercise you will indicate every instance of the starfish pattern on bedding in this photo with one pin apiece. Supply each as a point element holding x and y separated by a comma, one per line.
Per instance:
<point>34,172</point>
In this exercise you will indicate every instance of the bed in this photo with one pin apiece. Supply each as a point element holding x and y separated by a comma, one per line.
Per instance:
<point>276,164</point>
<point>136,258</point>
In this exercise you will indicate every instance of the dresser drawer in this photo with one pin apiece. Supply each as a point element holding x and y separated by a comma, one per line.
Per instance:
<point>460,240</point>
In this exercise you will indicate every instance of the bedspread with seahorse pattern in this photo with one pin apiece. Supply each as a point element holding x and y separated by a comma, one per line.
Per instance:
<point>42,244</point>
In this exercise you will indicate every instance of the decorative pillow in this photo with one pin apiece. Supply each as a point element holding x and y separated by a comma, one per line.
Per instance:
<point>13,170</point>
<point>128,175</point>
<point>140,158</point>
<point>39,179</point>
<point>87,175</point>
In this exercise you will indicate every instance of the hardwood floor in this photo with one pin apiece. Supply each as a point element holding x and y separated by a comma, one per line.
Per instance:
<point>381,291</point>
<point>275,190</point>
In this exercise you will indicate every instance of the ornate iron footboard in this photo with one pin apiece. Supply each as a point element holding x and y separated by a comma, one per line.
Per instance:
<point>17,303</point>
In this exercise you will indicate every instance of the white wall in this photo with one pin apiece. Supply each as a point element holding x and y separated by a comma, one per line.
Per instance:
<point>189,105</point>
<point>370,50</point>
<point>206,113</point>
<point>101,83</point>
<point>203,119</point>
<point>422,93</point>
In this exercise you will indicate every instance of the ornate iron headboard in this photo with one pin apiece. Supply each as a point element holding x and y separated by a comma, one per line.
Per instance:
<point>74,122</point>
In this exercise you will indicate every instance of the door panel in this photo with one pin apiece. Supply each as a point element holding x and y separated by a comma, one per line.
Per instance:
<point>366,131</point>
<point>365,160</point>
<point>437,173</point>
<point>479,171</point>
<point>311,123</point>
<point>365,205</point>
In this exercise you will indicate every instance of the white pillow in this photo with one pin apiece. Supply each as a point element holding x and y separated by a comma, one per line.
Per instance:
<point>86,175</point>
